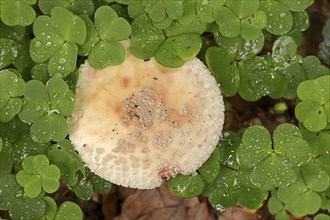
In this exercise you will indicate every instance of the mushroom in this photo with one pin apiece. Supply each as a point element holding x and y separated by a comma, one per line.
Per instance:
<point>138,123</point>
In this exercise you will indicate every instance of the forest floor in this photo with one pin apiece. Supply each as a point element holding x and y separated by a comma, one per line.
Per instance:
<point>128,204</point>
<point>159,204</point>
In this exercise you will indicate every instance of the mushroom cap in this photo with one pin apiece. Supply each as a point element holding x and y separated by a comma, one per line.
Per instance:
<point>138,123</point>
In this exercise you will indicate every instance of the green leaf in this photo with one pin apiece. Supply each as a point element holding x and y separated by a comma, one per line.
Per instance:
<point>313,68</point>
<point>255,139</point>
<point>175,51</point>
<point>316,90</point>
<point>101,185</point>
<point>210,169</point>
<point>72,79</point>
<point>155,9</point>
<point>307,203</point>
<point>42,50</point>
<point>284,52</point>
<point>17,13</point>
<point>25,146</point>
<point>135,8</point>
<point>205,9</point>
<point>266,81</point>
<point>288,194</point>
<point>275,206</point>
<point>83,7</point>
<point>60,96</point>
<point>243,8</point>
<point>12,108</point>
<point>37,174</point>
<point>0,144</point>
<point>36,91</point>
<point>288,142</point>
<point>50,178</point>
<point>8,189</point>
<point>297,5</point>
<point>6,162</point>
<point>71,27</point>
<point>176,28</point>
<point>46,6</point>
<point>283,215</point>
<point>294,74</point>
<point>300,23</point>
<point>145,38</point>
<point>228,145</point>
<point>83,189</point>
<point>223,68</point>
<point>318,142</point>
<point>43,28</point>
<point>258,19</point>
<point>174,8</point>
<point>30,182</point>
<point>322,217</point>
<point>315,178</point>
<point>67,160</point>
<point>246,70</point>
<point>189,12</point>
<point>8,50</point>
<point>37,101</point>
<point>13,130</point>
<point>109,26</point>
<point>106,53</point>
<point>186,186</point>
<point>324,162</point>
<point>312,115</point>
<point>49,127</point>
<point>40,72</point>
<point>249,32</point>
<point>248,195</point>
<point>69,211</point>
<point>91,37</point>
<point>229,24</point>
<point>222,192</point>
<point>15,33</point>
<point>239,48</point>
<point>80,7</point>
<point>27,208</point>
<point>279,18</point>
<point>163,24</point>
<point>63,61</point>
<point>273,172</point>
<point>10,85</point>
<point>51,208</point>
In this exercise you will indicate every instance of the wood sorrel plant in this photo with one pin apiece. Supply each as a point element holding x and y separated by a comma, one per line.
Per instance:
<point>43,42</point>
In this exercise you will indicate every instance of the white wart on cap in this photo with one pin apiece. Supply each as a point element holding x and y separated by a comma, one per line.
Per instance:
<point>138,123</point>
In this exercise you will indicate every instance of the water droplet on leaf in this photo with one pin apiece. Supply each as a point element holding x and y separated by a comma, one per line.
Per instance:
<point>37,44</point>
<point>62,61</point>
<point>205,2</point>
<point>282,14</point>
<point>48,44</point>
<point>38,108</point>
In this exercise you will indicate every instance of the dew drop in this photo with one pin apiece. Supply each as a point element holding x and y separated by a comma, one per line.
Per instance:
<point>18,193</point>
<point>62,61</point>
<point>205,2</point>
<point>48,44</point>
<point>37,44</point>
<point>258,185</point>
<point>282,15</point>
<point>38,108</point>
